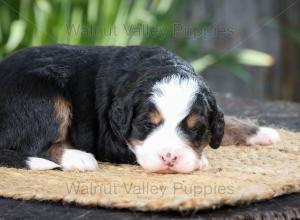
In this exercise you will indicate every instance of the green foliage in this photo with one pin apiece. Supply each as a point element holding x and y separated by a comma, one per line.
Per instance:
<point>25,23</point>
<point>94,22</point>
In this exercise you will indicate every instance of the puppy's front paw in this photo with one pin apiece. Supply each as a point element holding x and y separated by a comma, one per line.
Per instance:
<point>75,159</point>
<point>264,136</point>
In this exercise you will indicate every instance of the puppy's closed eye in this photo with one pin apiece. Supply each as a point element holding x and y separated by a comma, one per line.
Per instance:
<point>192,120</point>
<point>155,118</point>
<point>150,125</point>
<point>195,123</point>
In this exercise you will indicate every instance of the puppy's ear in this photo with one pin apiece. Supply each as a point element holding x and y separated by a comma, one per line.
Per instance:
<point>217,124</point>
<point>120,117</point>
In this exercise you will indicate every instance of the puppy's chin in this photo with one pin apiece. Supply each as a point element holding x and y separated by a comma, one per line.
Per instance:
<point>151,165</point>
<point>170,170</point>
<point>186,169</point>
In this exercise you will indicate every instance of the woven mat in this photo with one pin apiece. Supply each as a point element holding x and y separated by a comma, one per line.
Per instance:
<point>237,174</point>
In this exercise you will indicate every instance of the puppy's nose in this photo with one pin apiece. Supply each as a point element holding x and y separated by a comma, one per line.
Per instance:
<point>169,159</point>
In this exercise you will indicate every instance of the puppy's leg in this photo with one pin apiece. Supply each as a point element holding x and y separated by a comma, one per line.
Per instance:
<point>61,151</point>
<point>27,125</point>
<point>238,132</point>
<point>60,154</point>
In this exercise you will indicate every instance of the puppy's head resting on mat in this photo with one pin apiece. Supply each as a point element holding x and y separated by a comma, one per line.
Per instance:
<point>167,122</point>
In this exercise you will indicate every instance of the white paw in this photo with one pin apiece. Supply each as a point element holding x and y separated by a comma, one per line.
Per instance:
<point>203,163</point>
<point>264,136</point>
<point>37,163</point>
<point>80,160</point>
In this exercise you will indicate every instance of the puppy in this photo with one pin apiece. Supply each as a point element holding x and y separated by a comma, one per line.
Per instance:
<point>66,106</point>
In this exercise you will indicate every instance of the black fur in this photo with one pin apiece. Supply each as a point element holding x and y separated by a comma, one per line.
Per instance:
<point>107,88</point>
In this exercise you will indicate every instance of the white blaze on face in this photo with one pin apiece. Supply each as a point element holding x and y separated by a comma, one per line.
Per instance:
<point>173,98</point>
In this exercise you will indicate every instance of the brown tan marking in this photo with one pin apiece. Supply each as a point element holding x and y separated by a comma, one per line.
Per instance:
<point>63,114</point>
<point>192,120</point>
<point>155,117</point>
<point>56,151</point>
<point>134,142</point>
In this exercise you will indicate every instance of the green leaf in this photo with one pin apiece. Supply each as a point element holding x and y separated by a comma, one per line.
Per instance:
<point>17,32</point>
<point>92,13</point>
<point>202,63</point>
<point>76,20</point>
<point>164,6</point>
<point>254,58</point>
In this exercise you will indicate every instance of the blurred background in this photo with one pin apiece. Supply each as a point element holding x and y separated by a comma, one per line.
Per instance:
<point>245,48</point>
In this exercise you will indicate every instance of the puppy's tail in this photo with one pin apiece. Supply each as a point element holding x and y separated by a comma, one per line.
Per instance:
<point>241,132</point>
<point>15,159</point>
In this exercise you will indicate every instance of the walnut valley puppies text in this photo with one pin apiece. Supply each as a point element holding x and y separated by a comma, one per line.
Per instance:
<point>148,189</point>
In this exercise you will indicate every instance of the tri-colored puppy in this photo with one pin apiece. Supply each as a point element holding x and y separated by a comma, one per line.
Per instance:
<point>63,106</point>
